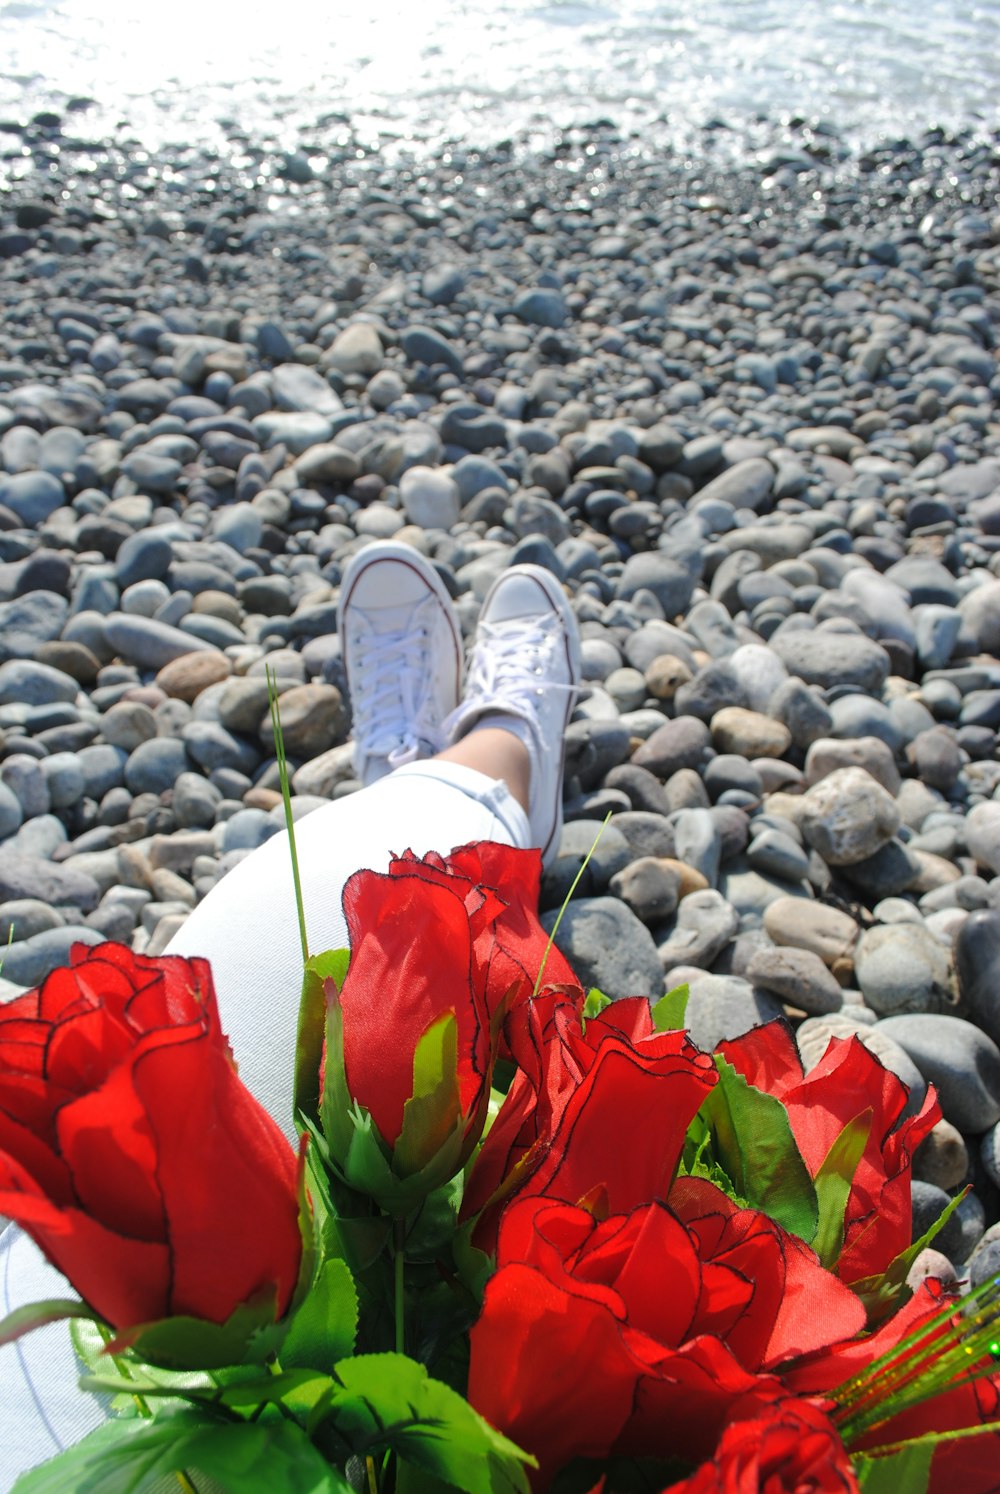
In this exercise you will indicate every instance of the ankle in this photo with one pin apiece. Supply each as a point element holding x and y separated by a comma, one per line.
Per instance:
<point>495,746</point>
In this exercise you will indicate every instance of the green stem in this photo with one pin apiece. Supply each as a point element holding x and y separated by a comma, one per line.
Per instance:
<point>399,1260</point>
<point>286,799</point>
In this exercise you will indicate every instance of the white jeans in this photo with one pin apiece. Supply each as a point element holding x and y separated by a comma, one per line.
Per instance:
<point>247,928</point>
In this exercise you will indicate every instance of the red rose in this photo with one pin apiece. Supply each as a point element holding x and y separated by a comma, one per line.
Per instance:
<point>131,1152</point>
<point>764,1290</point>
<point>969,1464</point>
<point>847,1081</point>
<point>591,1337</point>
<point>581,1117</point>
<point>454,936</point>
<point>789,1447</point>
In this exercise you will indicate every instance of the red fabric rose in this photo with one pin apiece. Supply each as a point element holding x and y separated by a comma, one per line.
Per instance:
<point>789,1447</point>
<point>456,934</point>
<point>847,1081</point>
<point>591,1337</point>
<point>597,1112</point>
<point>970,1464</point>
<point>131,1152</point>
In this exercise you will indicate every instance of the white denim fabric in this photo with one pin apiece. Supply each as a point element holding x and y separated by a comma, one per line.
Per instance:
<point>248,929</point>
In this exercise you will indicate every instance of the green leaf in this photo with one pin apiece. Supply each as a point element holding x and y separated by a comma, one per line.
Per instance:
<point>330,965</point>
<point>195,1343</point>
<point>434,1110</point>
<point>125,1457</point>
<point>389,1402</point>
<point>752,1142</point>
<point>909,1468</point>
<point>595,1003</point>
<point>881,1293</point>
<point>670,1011</point>
<point>36,1314</point>
<point>325,1326</point>
<point>833,1186</point>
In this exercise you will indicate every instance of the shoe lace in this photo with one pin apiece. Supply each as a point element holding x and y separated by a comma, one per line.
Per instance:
<point>510,665</point>
<point>391,689</point>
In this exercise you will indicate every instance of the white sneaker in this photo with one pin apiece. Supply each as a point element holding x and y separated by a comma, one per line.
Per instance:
<point>526,665</point>
<point>402,650</point>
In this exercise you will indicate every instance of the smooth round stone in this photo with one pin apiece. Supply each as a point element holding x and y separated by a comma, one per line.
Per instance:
<point>23,918</point>
<point>681,743</point>
<point>989,1151</point>
<point>32,496</point>
<point>698,841</point>
<point>802,710</point>
<point>928,1203</point>
<point>705,925</point>
<point>827,658</point>
<point>11,811</point>
<point>313,718</point>
<point>627,688</point>
<point>128,724</point>
<point>828,754</point>
<point>28,961</point>
<point>187,676</point>
<point>808,925</point>
<point>24,776</point>
<point>211,746</point>
<point>103,768</point>
<point>982,835</point>
<point>728,772</point>
<point>797,977</point>
<point>643,789</point>
<point>847,816</point>
<point>646,833</point>
<point>671,584</point>
<point>146,642</point>
<point>144,556</point>
<point>942,1157</point>
<point>960,1060</point>
<point>430,498</point>
<point>608,947</point>
<point>650,887</point>
<point>247,829</point>
<point>984,1263</point>
<point>194,802</point>
<point>154,765</point>
<point>977,964</point>
<point>748,733</point>
<point>29,683</point>
<point>778,855</point>
<point>65,779</point>
<point>902,967</point>
<point>600,657</point>
<point>713,688</point>
<point>722,1007</point>
<point>581,838</point>
<point>760,672</point>
<point>859,716</point>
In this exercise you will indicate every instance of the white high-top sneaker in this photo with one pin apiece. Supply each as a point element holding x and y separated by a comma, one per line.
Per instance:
<point>402,649</point>
<point>525,670</point>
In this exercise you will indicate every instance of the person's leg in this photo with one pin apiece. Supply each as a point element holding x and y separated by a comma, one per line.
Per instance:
<point>478,789</point>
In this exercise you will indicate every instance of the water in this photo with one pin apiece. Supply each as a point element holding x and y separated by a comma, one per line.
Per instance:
<point>479,70</point>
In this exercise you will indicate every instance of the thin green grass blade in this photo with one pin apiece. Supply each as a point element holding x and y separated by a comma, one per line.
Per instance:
<point>286,799</point>
<point>566,902</point>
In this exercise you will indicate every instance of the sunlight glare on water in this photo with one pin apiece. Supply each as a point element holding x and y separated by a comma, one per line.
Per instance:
<point>425,66</point>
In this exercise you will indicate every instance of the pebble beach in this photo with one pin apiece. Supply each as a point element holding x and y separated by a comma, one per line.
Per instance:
<point>739,396</point>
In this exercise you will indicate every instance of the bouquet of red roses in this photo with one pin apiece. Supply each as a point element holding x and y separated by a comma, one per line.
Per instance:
<point>532,1239</point>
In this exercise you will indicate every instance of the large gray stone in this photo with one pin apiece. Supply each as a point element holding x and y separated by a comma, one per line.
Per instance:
<point>828,658</point>
<point>960,1060</point>
<point>608,947</point>
<point>847,816</point>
